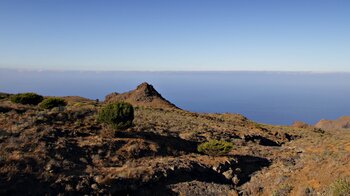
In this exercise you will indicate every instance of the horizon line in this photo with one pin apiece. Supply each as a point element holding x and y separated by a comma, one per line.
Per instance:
<point>164,71</point>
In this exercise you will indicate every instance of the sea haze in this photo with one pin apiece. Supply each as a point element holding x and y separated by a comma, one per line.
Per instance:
<point>265,97</point>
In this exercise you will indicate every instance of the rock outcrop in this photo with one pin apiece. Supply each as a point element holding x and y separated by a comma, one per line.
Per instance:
<point>144,95</point>
<point>338,124</point>
<point>300,124</point>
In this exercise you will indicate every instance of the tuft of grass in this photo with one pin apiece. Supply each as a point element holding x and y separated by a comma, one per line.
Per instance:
<point>52,102</point>
<point>340,187</point>
<point>282,190</point>
<point>27,98</point>
<point>215,147</point>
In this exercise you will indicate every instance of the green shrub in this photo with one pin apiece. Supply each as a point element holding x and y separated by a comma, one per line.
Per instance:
<point>117,115</point>
<point>215,147</point>
<point>27,98</point>
<point>52,102</point>
<point>3,95</point>
<point>340,187</point>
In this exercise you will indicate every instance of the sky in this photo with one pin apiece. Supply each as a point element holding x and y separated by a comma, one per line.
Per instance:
<point>175,35</point>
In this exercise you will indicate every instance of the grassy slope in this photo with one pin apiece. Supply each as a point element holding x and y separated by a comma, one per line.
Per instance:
<point>68,151</point>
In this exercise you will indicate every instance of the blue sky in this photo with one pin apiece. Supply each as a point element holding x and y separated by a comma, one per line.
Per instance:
<point>283,35</point>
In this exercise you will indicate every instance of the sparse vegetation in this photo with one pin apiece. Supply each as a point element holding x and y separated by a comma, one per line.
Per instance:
<point>71,149</point>
<point>283,190</point>
<point>117,115</point>
<point>340,187</point>
<point>215,147</point>
<point>27,98</point>
<point>52,102</point>
<point>3,95</point>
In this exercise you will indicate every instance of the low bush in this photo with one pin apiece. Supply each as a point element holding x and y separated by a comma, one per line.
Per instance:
<point>3,95</point>
<point>27,98</point>
<point>215,147</point>
<point>52,102</point>
<point>117,115</point>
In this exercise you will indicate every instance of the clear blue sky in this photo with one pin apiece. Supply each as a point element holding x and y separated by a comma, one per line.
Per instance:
<point>293,35</point>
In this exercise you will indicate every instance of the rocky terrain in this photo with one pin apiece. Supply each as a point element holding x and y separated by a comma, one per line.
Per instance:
<point>66,151</point>
<point>144,95</point>
<point>342,123</point>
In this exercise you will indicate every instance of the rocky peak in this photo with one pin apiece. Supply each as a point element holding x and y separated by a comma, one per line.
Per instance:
<point>144,95</point>
<point>300,124</point>
<point>147,90</point>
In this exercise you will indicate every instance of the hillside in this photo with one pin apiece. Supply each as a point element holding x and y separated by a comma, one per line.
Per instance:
<point>342,123</point>
<point>66,151</point>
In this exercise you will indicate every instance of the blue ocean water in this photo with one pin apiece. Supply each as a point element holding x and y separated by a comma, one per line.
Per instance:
<point>265,97</point>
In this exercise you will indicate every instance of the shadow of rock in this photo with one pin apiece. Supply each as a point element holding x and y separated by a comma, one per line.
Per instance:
<point>249,165</point>
<point>4,109</point>
<point>169,145</point>
<point>160,185</point>
<point>24,181</point>
<point>23,184</point>
<point>261,140</point>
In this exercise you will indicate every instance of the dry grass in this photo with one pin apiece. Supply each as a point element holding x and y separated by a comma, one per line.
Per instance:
<point>68,147</point>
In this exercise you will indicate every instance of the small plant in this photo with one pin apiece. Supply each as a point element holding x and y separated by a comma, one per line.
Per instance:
<point>282,190</point>
<point>52,102</point>
<point>340,187</point>
<point>3,96</point>
<point>117,115</point>
<point>215,147</point>
<point>27,98</point>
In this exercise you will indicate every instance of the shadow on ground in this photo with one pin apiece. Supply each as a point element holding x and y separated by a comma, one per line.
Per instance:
<point>249,165</point>
<point>169,145</point>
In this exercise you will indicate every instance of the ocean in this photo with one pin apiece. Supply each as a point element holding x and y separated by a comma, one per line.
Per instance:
<point>266,97</point>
